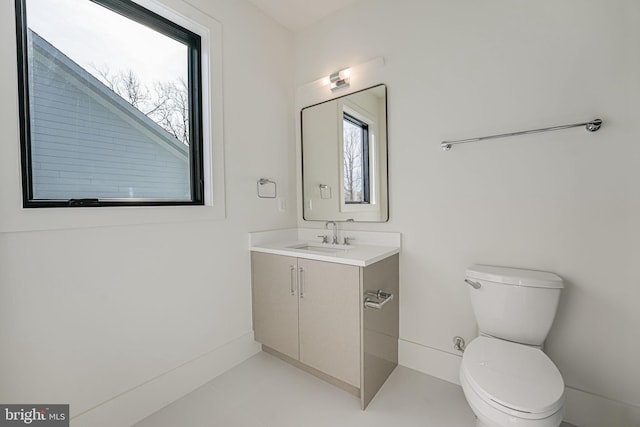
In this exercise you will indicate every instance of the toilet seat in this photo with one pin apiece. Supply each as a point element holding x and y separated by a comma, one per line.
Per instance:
<point>513,378</point>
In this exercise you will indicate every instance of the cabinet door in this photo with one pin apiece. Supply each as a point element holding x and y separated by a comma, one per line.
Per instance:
<point>275,302</point>
<point>329,319</point>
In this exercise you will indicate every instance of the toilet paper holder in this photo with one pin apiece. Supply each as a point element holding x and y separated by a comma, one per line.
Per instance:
<point>381,298</point>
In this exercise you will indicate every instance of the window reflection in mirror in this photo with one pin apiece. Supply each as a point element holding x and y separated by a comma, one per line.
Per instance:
<point>344,158</point>
<point>355,154</point>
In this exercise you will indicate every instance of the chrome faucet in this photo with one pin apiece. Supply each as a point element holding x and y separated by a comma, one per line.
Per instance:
<point>335,231</point>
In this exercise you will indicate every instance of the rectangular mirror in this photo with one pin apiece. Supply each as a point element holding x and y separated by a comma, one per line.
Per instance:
<point>344,158</point>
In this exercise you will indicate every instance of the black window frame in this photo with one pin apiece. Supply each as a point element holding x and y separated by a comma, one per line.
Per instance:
<point>366,196</point>
<point>160,24</point>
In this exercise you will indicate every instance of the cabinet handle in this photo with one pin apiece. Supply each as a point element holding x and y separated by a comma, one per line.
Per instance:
<point>369,301</point>
<point>292,279</point>
<point>301,282</point>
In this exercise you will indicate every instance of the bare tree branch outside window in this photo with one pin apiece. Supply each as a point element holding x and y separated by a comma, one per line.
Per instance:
<point>353,159</point>
<point>166,103</point>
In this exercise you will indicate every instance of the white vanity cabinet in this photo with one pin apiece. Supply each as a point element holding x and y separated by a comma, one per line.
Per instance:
<point>308,310</point>
<point>312,314</point>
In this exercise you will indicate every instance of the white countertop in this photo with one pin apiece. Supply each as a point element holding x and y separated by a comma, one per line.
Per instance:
<point>359,255</point>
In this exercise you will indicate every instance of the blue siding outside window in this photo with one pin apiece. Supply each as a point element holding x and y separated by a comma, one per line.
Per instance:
<point>83,141</point>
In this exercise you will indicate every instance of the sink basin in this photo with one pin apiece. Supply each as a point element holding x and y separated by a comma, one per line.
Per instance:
<point>320,249</point>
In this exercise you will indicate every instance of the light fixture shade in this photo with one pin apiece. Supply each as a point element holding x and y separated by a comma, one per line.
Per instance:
<point>339,79</point>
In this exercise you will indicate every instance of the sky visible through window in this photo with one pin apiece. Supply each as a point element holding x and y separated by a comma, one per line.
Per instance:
<point>146,68</point>
<point>93,36</point>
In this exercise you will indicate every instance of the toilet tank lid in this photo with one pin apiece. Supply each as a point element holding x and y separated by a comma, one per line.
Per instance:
<point>515,276</point>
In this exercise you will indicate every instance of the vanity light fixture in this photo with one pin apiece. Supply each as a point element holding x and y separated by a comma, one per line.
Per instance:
<point>340,79</point>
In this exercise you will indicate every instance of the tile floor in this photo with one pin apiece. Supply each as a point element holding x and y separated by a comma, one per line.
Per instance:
<point>267,392</point>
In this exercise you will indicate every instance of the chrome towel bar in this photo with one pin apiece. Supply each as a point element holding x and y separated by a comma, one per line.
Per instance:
<point>590,126</point>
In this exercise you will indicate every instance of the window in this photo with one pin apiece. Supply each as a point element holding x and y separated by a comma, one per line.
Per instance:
<point>110,105</point>
<point>356,160</point>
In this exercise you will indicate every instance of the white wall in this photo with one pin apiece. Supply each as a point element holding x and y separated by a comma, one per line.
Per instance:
<point>566,201</point>
<point>89,316</point>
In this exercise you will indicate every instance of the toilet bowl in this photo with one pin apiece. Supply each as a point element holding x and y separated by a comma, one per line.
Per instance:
<point>507,379</point>
<point>510,384</point>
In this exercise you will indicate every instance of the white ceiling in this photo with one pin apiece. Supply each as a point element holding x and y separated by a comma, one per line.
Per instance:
<point>298,14</point>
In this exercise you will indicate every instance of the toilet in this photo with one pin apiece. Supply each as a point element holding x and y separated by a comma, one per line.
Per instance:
<point>506,377</point>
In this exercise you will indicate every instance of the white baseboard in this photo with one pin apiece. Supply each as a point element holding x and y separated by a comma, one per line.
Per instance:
<point>582,409</point>
<point>130,407</point>
<point>430,361</point>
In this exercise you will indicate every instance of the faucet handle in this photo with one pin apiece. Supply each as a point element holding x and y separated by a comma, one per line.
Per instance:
<point>347,240</point>
<point>325,239</point>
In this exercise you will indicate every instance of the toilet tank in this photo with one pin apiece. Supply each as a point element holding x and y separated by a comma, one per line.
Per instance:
<point>514,304</point>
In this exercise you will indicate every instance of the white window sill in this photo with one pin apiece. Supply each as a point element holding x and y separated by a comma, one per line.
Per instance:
<point>38,219</point>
